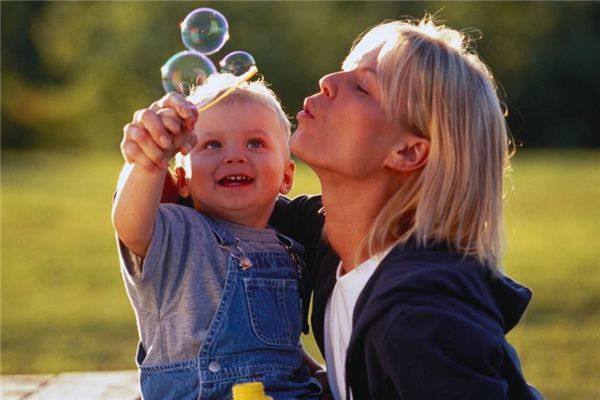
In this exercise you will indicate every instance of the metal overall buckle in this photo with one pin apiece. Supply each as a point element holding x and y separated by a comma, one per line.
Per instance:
<point>243,260</point>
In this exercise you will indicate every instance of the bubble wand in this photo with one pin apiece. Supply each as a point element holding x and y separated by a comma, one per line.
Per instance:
<point>243,78</point>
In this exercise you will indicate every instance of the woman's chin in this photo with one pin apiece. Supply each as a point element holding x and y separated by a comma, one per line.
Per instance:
<point>296,146</point>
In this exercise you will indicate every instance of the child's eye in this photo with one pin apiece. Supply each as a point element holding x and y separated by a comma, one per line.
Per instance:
<point>212,145</point>
<point>255,144</point>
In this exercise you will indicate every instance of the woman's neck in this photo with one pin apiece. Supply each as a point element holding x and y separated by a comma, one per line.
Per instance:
<point>351,208</point>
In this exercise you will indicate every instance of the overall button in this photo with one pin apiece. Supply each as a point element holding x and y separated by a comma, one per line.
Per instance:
<point>214,366</point>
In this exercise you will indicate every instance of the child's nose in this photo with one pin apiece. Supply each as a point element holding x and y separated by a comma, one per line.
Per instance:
<point>235,157</point>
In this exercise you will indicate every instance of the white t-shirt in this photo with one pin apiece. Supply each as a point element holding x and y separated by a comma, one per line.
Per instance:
<point>338,320</point>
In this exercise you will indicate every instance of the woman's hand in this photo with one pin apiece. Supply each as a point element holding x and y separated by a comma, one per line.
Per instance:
<point>158,132</point>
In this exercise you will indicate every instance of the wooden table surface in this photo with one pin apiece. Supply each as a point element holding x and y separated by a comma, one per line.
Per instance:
<point>113,385</point>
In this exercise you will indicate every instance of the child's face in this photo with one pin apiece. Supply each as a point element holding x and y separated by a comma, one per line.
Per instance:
<point>240,164</point>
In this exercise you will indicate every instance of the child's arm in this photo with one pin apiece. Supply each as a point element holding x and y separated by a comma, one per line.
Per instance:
<point>160,131</point>
<point>136,205</point>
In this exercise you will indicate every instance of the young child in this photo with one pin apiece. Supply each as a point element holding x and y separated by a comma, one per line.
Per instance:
<point>215,291</point>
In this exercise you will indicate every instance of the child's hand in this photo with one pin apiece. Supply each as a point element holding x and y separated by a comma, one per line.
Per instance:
<point>158,132</point>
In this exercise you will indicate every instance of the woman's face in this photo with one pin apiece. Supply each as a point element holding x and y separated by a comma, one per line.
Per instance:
<point>342,129</point>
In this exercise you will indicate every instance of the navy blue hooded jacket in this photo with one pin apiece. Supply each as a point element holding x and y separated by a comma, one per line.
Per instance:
<point>428,325</point>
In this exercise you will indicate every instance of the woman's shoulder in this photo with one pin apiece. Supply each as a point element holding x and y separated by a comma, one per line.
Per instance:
<point>301,218</point>
<point>409,272</point>
<point>304,203</point>
<point>447,287</point>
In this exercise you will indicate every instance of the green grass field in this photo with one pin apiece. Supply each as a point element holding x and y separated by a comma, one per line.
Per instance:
<point>64,307</point>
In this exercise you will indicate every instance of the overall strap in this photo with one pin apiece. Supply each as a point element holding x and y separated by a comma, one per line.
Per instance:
<point>290,243</point>
<point>224,237</point>
<point>296,251</point>
<point>231,244</point>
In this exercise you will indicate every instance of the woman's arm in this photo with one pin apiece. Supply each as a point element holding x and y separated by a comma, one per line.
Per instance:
<point>300,218</point>
<point>428,353</point>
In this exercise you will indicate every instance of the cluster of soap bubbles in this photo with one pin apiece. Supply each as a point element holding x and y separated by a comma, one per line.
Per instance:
<point>204,31</point>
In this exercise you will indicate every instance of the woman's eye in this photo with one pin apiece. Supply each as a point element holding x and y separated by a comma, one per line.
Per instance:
<point>255,144</point>
<point>212,145</point>
<point>361,89</point>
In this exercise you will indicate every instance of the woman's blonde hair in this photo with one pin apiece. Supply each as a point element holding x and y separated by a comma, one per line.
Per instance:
<point>434,85</point>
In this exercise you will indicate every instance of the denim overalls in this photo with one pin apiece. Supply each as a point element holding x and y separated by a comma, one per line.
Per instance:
<point>254,335</point>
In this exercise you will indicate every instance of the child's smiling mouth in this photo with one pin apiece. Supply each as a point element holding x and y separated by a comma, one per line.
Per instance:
<point>235,180</point>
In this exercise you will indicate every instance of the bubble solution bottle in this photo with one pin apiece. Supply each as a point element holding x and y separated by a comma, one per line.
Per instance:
<point>250,391</point>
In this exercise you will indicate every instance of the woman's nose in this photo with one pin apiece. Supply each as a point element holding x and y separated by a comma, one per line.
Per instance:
<point>327,84</point>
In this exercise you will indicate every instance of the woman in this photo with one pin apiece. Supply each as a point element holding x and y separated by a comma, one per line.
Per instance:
<point>410,145</point>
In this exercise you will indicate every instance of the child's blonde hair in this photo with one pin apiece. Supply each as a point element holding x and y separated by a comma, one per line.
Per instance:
<point>255,91</point>
<point>435,86</point>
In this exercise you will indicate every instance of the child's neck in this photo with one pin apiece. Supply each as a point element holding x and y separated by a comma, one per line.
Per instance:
<point>248,218</point>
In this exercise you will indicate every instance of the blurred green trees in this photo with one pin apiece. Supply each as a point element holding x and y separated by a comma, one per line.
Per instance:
<point>74,72</point>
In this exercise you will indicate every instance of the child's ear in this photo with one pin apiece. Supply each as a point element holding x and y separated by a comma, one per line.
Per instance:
<point>288,177</point>
<point>409,154</point>
<point>182,187</point>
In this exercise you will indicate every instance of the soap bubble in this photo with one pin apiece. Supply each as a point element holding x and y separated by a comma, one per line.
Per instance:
<point>204,30</point>
<point>237,62</point>
<point>185,70</point>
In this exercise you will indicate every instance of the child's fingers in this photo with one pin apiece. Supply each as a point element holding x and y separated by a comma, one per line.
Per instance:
<point>189,124</point>
<point>176,101</point>
<point>148,148</point>
<point>173,125</point>
<point>169,112</point>
<point>152,123</point>
<point>190,140</point>
<point>184,138</point>
<point>170,120</point>
<point>185,141</point>
<point>185,109</point>
<point>134,155</point>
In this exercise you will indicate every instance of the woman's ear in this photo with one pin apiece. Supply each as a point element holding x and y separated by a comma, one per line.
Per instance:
<point>288,177</point>
<point>409,154</point>
<point>182,187</point>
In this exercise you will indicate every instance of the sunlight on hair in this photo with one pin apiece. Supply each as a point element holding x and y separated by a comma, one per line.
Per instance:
<point>368,41</point>
<point>217,83</point>
<point>450,37</point>
<point>240,80</point>
<point>387,35</point>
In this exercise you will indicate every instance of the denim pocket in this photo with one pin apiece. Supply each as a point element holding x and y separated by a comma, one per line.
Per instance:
<point>274,307</point>
<point>177,380</point>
